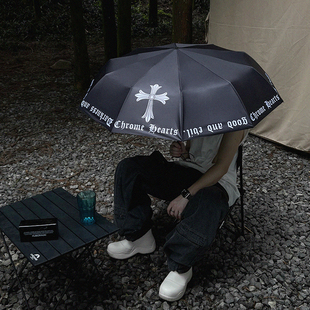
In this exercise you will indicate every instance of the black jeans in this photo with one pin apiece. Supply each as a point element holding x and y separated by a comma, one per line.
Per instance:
<point>137,177</point>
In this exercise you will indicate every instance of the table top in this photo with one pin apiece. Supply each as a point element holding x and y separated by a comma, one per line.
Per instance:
<point>58,204</point>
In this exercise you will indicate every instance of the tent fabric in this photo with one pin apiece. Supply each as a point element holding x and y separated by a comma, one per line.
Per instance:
<point>276,33</point>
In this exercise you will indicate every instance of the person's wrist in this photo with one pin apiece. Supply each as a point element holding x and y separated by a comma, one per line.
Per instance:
<point>186,194</point>
<point>184,156</point>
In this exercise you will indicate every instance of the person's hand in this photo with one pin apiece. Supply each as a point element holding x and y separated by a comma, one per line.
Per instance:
<point>177,149</point>
<point>176,207</point>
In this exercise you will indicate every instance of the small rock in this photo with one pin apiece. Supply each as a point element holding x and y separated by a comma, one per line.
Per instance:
<point>62,65</point>
<point>229,298</point>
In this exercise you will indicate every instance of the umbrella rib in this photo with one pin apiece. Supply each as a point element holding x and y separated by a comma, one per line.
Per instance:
<point>227,81</point>
<point>137,81</point>
<point>237,63</point>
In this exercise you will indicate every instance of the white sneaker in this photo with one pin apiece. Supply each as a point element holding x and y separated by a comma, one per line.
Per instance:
<point>125,249</point>
<point>174,285</point>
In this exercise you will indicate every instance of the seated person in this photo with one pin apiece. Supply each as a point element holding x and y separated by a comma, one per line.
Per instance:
<point>200,188</point>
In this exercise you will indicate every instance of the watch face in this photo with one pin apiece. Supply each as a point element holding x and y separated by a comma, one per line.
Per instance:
<point>185,193</point>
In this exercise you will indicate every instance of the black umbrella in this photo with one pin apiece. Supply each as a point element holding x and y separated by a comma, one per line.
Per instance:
<point>180,91</point>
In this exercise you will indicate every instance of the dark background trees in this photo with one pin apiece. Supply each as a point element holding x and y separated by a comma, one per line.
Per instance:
<point>81,61</point>
<point>182,21</point>
<point>111,27</point>
<point>123,27</point>
<point>153,16</point>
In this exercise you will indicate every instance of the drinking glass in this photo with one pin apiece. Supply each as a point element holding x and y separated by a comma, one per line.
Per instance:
<point>86,201</point>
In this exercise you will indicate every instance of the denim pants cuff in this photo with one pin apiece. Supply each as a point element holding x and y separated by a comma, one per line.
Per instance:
<point>174,266</point>
<point>138,234</point>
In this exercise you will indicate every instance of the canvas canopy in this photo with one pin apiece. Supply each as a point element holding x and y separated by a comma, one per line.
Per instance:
<point>276,33</point>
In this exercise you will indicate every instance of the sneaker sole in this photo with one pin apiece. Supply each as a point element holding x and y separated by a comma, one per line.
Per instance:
<point>168,298</point>
<point>133,252</point>
<point>179,296</point>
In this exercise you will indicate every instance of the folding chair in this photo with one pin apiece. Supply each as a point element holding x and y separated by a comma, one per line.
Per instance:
<point>239,230</point>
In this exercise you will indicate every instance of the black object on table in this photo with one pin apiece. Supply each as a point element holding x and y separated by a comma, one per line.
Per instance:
<point>72,234</point>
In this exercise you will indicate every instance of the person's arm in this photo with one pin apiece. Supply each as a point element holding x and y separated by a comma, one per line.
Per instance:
<point>227,150</point>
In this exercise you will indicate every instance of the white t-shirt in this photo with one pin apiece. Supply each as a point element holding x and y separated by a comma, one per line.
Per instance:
<point>202,152</point>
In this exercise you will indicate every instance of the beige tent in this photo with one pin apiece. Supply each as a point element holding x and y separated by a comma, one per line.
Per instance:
<point>276,33</point>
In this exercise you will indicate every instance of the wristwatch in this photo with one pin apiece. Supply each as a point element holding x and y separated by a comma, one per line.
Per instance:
<point>186,194</point>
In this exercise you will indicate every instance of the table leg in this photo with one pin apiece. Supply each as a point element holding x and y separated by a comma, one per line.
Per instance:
<point>79,256</point>
<point>15,270</point>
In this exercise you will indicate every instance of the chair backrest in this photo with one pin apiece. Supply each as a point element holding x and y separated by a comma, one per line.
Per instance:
<point>240,231</point>
<point>241,190</point>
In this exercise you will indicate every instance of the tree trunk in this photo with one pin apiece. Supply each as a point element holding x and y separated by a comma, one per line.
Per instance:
<point>37,9</point>
<point>124,27</point>
<point>109,29</point>
<point>182,21</point>
<point>81,61</point>
<point>153,21</point>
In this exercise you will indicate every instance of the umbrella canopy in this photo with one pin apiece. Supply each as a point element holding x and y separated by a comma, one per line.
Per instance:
<point>180,91</point>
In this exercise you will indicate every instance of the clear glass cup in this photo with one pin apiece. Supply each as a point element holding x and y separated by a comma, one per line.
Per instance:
<point>87,201</point>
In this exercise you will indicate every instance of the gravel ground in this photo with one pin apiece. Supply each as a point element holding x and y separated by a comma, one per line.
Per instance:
<point>46,142</point>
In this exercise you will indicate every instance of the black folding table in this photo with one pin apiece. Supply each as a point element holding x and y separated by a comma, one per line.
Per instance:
<point>72,234</point>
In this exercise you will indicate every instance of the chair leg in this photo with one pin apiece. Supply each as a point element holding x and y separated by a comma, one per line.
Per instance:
<point>240,155</point>
<point>242,216</point>
<point>237,230</point>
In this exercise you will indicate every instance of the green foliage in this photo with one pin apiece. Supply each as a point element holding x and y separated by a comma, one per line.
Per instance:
<point>164,14</point>
<point>202,6</point>
<point>140,27</point>
<point>18,21</point>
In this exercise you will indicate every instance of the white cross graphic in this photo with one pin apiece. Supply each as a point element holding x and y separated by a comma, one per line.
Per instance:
<point>148,115</point>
